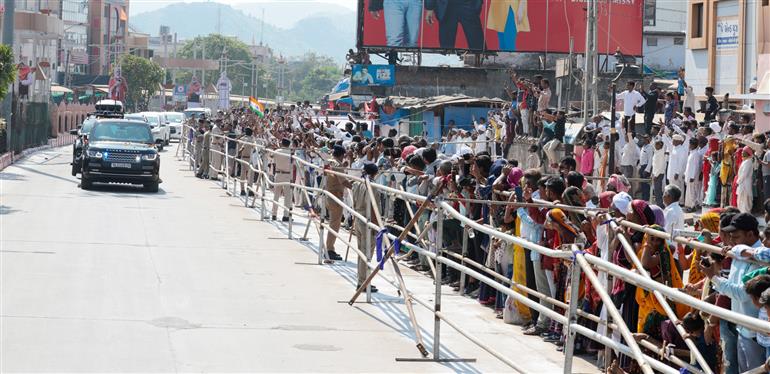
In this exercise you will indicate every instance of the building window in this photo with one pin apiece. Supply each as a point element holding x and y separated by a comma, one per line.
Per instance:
<point>652,42</point>
<point>678,41</point>
<point>696,24</point>
<point>649,12</point>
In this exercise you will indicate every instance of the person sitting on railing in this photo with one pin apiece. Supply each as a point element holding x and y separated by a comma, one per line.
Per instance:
<point>744,232</point>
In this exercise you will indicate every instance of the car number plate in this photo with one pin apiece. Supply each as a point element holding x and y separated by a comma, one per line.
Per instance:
<point>121,165</point>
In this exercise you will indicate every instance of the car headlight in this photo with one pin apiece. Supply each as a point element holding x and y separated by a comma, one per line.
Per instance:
<point>150,157</point>
<point>94,154</point>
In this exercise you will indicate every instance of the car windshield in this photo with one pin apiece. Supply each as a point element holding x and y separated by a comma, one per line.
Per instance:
<point>153,119</point>
<point>88,124</point>
<point>133,132</point>
<point>192,113</point>
<point>175,117</point>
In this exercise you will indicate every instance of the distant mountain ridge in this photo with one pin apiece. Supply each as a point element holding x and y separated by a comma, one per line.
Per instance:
<point>324,34</point>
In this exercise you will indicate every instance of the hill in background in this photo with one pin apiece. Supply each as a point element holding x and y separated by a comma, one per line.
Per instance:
<point>324,33</point>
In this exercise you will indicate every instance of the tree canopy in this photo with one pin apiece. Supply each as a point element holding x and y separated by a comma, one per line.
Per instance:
<point>305,78</point>
<point>7,69</point>
<point>143,77</point>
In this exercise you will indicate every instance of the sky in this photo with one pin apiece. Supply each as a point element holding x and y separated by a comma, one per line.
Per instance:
<point>141,6</point>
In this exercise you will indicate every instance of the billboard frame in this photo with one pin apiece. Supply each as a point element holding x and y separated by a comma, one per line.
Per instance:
<point>361,12</point>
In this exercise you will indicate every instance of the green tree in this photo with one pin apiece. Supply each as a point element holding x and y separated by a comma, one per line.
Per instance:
<point>143,77</point>
<point>7,69</point>
<point>212,47</point>
<point>318,82</point>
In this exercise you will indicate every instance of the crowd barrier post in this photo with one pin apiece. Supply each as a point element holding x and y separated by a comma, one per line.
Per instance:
<point>291,192</point>
<point>226,157</point>
<point>437,280</point>
<point>613,312</point>
<point>321,244</point>
<point>670,314</point>
<point>464,253</point>
<point>389,256</point>
<point>263,182</point>
<point>572,314</point>
<point>368,241</point>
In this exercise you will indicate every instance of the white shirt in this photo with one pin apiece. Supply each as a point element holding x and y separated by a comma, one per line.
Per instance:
<point>630,155</point>
<point>645,155</point>
<point>674,218</point>
<point>659,159</point>
<point>694,163</point>
<point>631,99</point>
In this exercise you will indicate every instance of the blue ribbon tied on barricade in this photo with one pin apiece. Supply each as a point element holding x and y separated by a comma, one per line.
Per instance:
<point>378,247</point>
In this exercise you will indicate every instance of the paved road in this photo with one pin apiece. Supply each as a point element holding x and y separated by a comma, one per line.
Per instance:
<point>189,280</point>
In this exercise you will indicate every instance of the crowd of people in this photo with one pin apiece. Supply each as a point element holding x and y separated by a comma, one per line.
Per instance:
<point>662,170</point>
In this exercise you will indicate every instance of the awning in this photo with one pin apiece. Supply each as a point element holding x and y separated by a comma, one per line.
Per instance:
<point>60,89</point>
<point>438,101</point>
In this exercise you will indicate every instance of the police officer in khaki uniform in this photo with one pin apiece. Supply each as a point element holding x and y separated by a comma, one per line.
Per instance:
<point>217,145</point>
<point>336,185</point>
<point>282,172</point>
<point>245,148</point>
<point>363,206</point>
<point>203,168</point>
<point>198,139</point>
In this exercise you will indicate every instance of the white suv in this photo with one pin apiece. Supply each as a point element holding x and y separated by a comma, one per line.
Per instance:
<point>157,122</point>
<point>174,121</point>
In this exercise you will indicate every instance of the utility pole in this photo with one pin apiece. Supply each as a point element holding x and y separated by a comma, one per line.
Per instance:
<point>588,64</point>
<point>10,6</point>
<point>173,73</point>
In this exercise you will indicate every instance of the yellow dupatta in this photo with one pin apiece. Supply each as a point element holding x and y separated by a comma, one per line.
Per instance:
<point>647,300</point>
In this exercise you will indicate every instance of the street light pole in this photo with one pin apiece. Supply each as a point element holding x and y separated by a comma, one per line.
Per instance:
<point>10,6</point>
<point>613,131</point>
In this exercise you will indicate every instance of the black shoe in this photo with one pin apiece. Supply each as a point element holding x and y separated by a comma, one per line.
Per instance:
<point>334,256</point>
<point>371,286</point>
<point>251,193</point>
<point>285,219</point>
<point>243,193</point>
<point>199,176</point>
<point>274,218</point>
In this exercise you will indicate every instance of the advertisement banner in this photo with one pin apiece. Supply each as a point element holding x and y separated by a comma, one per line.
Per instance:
<point>180,93</point>
<point>500,25</point>
<point>373,75</point>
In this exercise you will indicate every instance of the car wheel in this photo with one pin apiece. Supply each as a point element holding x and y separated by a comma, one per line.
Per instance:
<point>86,183</point>
<point>151,187</point>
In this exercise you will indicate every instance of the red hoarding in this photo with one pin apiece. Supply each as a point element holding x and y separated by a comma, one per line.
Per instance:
<point>500,25</point>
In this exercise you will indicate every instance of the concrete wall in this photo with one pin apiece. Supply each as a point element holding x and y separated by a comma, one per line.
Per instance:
<point>697,69</point>
<point>666,55</point>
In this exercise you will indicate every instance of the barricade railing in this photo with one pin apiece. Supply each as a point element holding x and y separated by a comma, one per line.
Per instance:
<point>578,261</point>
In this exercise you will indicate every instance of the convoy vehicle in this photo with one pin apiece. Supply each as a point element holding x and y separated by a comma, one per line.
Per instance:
<point>103,109</point>
<point>196,112</point>
<point>77,147</point>
<point>174,121</point>
<point>160,131</point>
<point>120,151</point>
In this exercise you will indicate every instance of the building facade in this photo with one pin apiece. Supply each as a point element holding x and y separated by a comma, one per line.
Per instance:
<point>722,40</point>
<point>73,56</point>
<point>664,34</point>
<point>108,22</point>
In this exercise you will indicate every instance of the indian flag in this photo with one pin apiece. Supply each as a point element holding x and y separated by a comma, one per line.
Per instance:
<point>256,106</point>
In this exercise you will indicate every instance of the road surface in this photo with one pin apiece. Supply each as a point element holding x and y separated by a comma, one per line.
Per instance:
<point>188,279</point>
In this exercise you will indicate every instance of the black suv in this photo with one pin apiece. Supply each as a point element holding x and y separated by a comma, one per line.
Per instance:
<point>77,147</point>
<point>120,151</point>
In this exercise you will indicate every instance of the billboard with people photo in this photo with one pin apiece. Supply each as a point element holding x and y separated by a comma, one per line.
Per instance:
<point>499,25</point>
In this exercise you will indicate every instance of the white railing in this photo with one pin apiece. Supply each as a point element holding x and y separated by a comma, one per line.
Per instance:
<point>579,262</point>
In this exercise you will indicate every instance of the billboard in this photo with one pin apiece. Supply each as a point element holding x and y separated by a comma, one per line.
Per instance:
<point>373,75</point>
<point>499,25</point>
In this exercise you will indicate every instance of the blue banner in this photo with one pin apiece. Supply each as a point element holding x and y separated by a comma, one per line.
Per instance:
<point>373,75</point>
